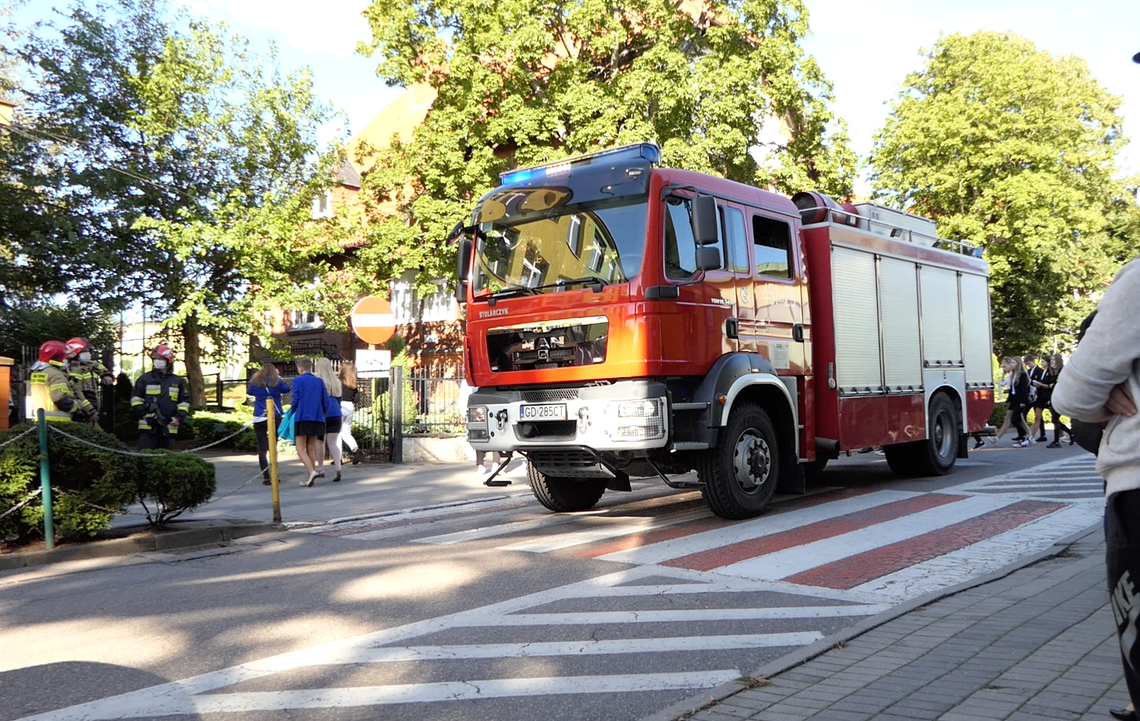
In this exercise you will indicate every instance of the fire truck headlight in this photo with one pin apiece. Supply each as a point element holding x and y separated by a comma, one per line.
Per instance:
<point>647,408</point>
<point>477,422</point>
<point>638,420</point>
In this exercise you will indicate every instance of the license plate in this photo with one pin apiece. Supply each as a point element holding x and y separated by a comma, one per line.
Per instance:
<point>546,412</point>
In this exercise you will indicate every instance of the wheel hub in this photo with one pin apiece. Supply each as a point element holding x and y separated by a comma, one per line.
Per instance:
<point>753,462</point>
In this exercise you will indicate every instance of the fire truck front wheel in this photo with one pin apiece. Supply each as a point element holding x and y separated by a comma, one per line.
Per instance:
<point>563,495</point>
<point>740,474</point>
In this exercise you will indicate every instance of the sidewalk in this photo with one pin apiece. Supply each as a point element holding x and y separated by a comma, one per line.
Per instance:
<point>1038,643</point>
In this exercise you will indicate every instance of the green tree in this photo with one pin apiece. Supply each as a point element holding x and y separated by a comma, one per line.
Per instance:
<point>1013,150</point>
<point>182,162</point>
<point>523,81</point>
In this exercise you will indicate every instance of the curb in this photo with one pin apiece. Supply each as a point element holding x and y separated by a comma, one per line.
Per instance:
<point>687,707</point>
<point>223,532</point>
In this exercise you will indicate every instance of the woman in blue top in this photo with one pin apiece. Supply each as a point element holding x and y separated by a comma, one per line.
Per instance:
<point>265,384</point>
<point>324,371</point>
<point>309,419</point>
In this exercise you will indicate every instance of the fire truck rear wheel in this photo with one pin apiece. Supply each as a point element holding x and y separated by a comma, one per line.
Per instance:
<point>564,495</point>
<point>740,474</point>
<point>936,455</point>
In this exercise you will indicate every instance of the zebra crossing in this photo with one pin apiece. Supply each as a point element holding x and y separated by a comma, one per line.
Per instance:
<point>682,601</point>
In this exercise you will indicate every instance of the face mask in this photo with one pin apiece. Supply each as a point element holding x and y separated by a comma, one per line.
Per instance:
<point>160,364</point>
<point>85,357</point>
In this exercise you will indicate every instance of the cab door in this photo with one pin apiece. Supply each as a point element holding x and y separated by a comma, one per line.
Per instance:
<point>776,326</point>
<point>696,325</point>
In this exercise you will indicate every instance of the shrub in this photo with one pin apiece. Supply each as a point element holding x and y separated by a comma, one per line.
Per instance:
<point>171,483</point>
<point>89,484</point>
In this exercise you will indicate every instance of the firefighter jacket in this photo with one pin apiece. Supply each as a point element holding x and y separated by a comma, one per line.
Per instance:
<point>86,379</point>
<point>50,390</point>
<point>159,397</point>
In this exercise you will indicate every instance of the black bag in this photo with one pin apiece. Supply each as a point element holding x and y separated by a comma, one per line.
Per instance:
<point>1088,435</point>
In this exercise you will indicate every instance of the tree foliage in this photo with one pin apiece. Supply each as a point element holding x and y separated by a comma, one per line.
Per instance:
<point>1013,150</point>
<point>525,81</point>
<point>181,163</point>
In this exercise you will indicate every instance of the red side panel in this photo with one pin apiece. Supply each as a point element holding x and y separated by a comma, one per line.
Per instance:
<point>817,245</point>
<point>881,420</point>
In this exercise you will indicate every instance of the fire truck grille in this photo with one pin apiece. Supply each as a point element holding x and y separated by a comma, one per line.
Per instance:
<point>577,343</point>
<point>553,394</point>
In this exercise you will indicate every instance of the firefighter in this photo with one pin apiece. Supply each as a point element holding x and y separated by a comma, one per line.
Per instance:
<point>161,401</point>
<point>85,373</point>
<point>50,390</point>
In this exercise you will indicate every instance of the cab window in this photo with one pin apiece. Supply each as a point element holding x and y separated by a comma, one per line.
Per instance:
<point>735,240</point>
<point>772,246</point>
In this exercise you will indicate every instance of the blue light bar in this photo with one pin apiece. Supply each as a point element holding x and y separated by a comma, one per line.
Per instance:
<point>648,152</point>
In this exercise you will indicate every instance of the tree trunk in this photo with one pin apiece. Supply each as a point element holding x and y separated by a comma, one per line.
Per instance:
<point>193,362</point>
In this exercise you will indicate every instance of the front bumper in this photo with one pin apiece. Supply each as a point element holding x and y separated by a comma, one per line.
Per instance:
<point>621,416</point>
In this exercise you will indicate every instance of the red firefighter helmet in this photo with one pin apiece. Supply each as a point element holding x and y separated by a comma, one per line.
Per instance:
<point>53,350</point>
<point>75,346</point>
<point>163,351</point>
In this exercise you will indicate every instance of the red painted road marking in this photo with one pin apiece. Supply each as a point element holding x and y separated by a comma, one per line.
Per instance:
<point>736,552</point>
<point>859,569</point>
<point>680,530</point>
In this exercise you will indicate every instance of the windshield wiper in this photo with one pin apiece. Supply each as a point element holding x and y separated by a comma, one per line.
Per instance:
<point>515,290</point>
<point>598,283</point>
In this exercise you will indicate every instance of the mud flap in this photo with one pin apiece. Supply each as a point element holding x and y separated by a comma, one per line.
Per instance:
<point>963,446</point>
<point>792,480</point>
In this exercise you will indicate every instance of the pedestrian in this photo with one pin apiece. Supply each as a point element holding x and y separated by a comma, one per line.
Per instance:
<point>50,390</point>
<point>309,419</point>
<point>1052,373</point>
<point>161,401</point>
<point>333,417</point>
<point>1042,390</point>
<point>1018,400</point>
<point>87,375</point>
<point>264,385</point>
<point>1100,383</point>
<point>1036,373</point>
<point>348,396</point>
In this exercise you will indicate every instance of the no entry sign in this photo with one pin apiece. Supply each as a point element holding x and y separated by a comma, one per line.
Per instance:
<point>373,320</point>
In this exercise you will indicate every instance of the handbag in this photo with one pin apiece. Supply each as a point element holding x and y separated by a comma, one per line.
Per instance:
<point>285,427</point>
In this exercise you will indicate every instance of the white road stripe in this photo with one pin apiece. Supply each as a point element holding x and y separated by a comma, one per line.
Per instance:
<point>587,647</point>
<point>685,616</point>
<point>756,528</point>
<point>614,528</point>
<point>781,564</point>
<point>448,691</point>
<point>501,529</point>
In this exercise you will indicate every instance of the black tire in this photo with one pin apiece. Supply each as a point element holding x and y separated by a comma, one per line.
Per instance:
<point>936,455</point>
<point>564,495</point>
<point>740,474</point>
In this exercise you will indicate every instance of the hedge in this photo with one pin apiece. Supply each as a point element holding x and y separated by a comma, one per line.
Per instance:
<point>91,482</point>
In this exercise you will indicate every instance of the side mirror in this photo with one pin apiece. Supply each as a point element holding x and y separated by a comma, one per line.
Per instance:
<point>704,220</point>
<point>463,268</point>
<point>708,257</point>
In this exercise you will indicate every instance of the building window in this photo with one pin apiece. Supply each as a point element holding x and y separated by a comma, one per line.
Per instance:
<point>323,205</point>
<point>439,305</point>
<point>304,320</point>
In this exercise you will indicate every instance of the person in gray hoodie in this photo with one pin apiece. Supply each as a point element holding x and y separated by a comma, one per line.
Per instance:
<point>1099,384</point>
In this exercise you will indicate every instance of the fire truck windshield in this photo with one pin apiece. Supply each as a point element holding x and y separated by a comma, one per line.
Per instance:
<point>531,240</point>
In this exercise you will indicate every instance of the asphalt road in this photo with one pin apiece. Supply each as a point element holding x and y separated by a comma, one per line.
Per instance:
<point>499,610</point>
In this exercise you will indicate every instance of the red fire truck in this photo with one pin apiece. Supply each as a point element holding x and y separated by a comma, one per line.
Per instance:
<point>625,319</point>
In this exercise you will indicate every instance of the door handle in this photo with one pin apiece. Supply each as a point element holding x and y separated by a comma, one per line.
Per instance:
<point>798,332</point>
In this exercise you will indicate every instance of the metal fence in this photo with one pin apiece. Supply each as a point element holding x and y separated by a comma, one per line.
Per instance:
<point>387,409</point>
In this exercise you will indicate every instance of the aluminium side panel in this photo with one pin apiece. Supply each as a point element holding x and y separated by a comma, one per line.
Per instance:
<point>858,363</point>
<point>902,356</point>
<point>975,325</point>
<point>940,322</point>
